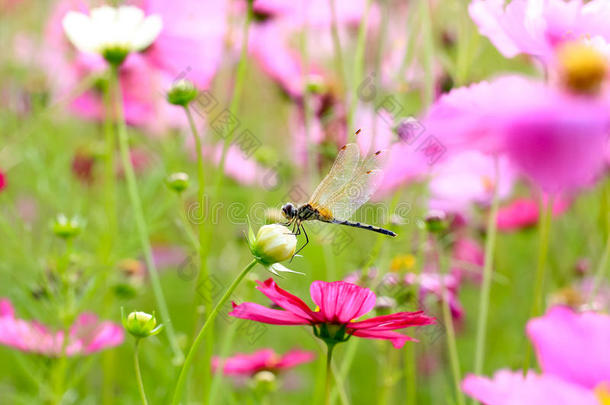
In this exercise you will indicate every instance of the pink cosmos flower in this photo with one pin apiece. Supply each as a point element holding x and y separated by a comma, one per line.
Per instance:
<point>524,212</point>
<point>87,335</point>
<point>340,304</point>
<point>587,361</point>
<point>432,284</point>
<point>537,27</point>
<point>511,388</point>
<point>468,178</point>
<point>572,350</point>
<point>467,259</point>
<point>554,138</point>
<point>2,181</point>
<point>265,359</point>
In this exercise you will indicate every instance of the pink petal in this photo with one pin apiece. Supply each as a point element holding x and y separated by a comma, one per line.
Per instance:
<point>294,358</point>
<point>511,388</point>
<point>572,346</point>
<point>398,340</point>
<point>285,300</point>
<point>340,301</point>
<point>397,320</point>
<point>259,313</point>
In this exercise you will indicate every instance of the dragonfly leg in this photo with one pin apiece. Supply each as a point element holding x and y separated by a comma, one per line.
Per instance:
<point>306,240</point>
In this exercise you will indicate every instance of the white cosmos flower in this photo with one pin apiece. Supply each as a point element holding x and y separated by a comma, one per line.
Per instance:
<point>112,32</point>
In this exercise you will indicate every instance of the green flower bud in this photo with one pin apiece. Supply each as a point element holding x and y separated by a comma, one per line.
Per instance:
<point>67,228</point>
<point>436,221</point>
<point>141,324</point>
<point>177,182</point>
<point>182,93</point>
<point>273,244</point>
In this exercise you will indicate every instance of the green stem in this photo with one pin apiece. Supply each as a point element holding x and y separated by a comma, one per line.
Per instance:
<point>206,294</point>
<point>428,57</point>
<point>109,173</point>
<point>490,243</point>
<point>334,30</point>
<point>141,228</point>
<point>544,227</point>
<point>329,371</point>
<point>136,364</point>
<point>202,333</point>
<point>449,328</point>
<point>236,97</point>
<point>603,263</point>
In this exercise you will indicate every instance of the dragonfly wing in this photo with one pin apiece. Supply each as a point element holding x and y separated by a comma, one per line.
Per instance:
<point>342,171</point>
<point>359,189</point>
<point>355,194</point>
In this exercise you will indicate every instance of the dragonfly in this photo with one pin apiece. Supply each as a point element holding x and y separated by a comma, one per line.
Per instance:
<point>351,182</point>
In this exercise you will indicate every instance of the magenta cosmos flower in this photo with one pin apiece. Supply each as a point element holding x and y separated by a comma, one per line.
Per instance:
<point>2,180</point>
<point>340,304</point>
<point>87,335</point>
<point>537,27</point>
<point>524,212</point>
<point>574,356</point>
<point>262,360</point>
<point>555,138</point>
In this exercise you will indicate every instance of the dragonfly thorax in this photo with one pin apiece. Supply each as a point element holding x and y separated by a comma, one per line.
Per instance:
<point>289,211</point>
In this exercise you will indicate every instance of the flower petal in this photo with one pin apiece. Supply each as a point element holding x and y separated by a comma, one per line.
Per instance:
<point>572,346</point>
<point>340,301</point>
<point>398,340</point>
<point>511,388</point>
<point>284,299</point>
<point>398,320</point>
<point>259,313</point>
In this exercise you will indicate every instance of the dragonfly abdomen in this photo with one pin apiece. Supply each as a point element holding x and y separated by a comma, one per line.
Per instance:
<point>364,226</point>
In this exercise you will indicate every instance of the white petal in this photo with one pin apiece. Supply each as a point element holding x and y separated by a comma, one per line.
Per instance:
<point>277,268</point>
<point>78,28</point>
<point>147,32</point>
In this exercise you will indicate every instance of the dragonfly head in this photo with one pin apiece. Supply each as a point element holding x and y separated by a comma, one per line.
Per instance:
<point>289,211</point>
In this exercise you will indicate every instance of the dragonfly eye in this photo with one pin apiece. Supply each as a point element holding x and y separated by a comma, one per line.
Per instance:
<point>289,210</point>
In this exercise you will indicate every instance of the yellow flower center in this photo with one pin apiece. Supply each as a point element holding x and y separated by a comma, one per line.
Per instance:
<point>602,392</point>
<point>582,68</point>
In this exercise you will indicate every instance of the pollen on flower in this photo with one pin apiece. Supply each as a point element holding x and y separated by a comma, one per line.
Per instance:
<point>582,68</point>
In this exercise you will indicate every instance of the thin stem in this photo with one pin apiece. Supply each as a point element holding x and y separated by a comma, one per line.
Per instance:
<point>206,294</point>
<point>136,364</point>
<point>544,227</point>
<point>358,65</point>
<point>202,333</point>
<point>428,57</point>
<point>138,213</point>
<point>603,263</point>
<point>329,371</point>
<point>449,327</point>
<point>236,97</point>
<point>490,243</point>
<point>334,30</point>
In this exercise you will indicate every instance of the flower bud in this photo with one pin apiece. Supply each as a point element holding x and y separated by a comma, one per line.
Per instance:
<point>582,68</point>
<point>273,244</point>
<point>264,382</point>
<point>141,324</point>
<point>65,227</point>
<point>182,93</point>
<point>177,182</point>
<point>436,221</point>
